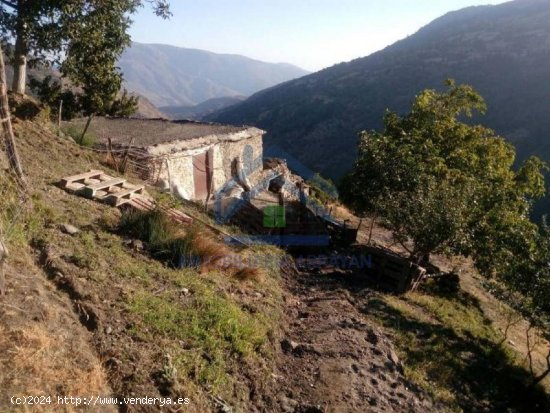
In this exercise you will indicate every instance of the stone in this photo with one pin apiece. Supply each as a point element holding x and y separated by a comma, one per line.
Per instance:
<point>393,357</point>
<point>69,229</point>
<point>137,245</point>
<point>108,330</point>
<point>288,405</point>
<point>288,345</point>
<point>372,337</point>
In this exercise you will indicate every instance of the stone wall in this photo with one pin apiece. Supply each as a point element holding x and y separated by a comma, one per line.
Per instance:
<point>177,167</point>
<point>249,151</point>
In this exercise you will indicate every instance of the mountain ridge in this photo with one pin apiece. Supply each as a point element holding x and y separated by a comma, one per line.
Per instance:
<point>502,50</point>
<point>175,76</point>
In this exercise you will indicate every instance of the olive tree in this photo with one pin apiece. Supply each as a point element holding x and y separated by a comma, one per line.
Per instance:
<point>443,185</point>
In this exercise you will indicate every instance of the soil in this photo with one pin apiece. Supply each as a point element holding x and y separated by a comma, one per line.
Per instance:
<point>331,359</point>
<point>44,349</point>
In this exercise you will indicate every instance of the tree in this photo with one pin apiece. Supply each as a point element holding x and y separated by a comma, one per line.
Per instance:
<point>42,28</point>
<point>50,92</point>
<point>7,131</point>
<point>92,55</point>
<point>442,185</point>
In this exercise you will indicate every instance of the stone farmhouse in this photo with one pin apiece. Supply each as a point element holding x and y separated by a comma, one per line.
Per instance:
<point>194,160</point>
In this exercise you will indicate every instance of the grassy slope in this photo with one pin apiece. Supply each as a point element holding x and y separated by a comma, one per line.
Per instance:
<point>195,334</point>
<point>452,343</point>
<point>155,329</point>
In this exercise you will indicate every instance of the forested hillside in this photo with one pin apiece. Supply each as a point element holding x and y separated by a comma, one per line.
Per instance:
<point>503,51</point>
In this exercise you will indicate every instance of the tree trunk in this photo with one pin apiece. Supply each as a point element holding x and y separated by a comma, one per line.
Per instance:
<point>86,128</point>
<point>21,49</point>
<point>423,259</point>
<point>5,119</point>
<point>20,65</point>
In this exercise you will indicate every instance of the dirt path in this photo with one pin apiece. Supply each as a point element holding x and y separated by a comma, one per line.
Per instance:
<point>331,359</point>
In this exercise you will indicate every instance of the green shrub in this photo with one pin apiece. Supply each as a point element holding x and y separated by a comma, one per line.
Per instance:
<point>88,140</point>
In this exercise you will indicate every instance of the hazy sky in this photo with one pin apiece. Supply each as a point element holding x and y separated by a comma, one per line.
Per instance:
<point>312,34</point>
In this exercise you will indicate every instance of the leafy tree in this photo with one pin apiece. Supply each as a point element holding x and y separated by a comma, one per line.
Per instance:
<point>531,276</point>
<point>445,185</point>
<point>50,92</point>
<point>43,28</point>
<point>124,105</point>
<point>92,55</point>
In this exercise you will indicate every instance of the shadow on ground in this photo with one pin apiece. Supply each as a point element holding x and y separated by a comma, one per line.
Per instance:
<point>457,357</point>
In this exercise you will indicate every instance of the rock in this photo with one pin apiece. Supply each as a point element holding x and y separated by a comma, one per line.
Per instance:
<point>137,245</point>
<point>289,346</point>
<point>185,291</point>
<point>288,405</point>
<point>512,343</point>
<point>301,349</point>
<point>393,357</point>
<point>69,229</point>
<point>372,337</point>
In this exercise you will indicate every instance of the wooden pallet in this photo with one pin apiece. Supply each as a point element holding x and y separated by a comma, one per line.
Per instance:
<point>392,272</point>
<point>117,192</point>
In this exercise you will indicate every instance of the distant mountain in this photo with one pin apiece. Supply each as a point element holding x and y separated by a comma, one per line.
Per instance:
<point>502,50</point>
<point>175,76</point>
<point>198,112</point>
<point>147,110</point>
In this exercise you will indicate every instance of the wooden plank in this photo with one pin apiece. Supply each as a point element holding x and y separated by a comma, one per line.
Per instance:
<point>91,190</point>
<point>179,216</point>
<point>118,198</point>
<point>80,177</point>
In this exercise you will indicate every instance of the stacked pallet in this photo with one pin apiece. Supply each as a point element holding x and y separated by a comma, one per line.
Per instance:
<point>117,192</point>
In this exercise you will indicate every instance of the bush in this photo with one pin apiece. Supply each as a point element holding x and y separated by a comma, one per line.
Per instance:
<point>88,140</point>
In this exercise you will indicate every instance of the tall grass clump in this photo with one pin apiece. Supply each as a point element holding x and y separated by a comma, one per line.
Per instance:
<point>170,243</point>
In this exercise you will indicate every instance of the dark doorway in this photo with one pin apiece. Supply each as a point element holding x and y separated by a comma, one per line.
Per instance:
<point>202,175</point>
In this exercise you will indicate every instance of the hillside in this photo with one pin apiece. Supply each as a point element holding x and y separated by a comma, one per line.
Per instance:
<point>201,110</point>
<point>170,76</point>
<point>147,110</point>
<point>503,51</point>
<point>95,312</point>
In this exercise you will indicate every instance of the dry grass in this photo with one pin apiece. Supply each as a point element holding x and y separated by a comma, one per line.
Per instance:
<point>36,364</point>
<point>249,274</point>
<point>205,247</point>
<point>194,246</point>
<point>214,327</point>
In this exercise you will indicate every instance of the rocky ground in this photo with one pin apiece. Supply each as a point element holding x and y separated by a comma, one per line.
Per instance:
<point>332,359</point>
